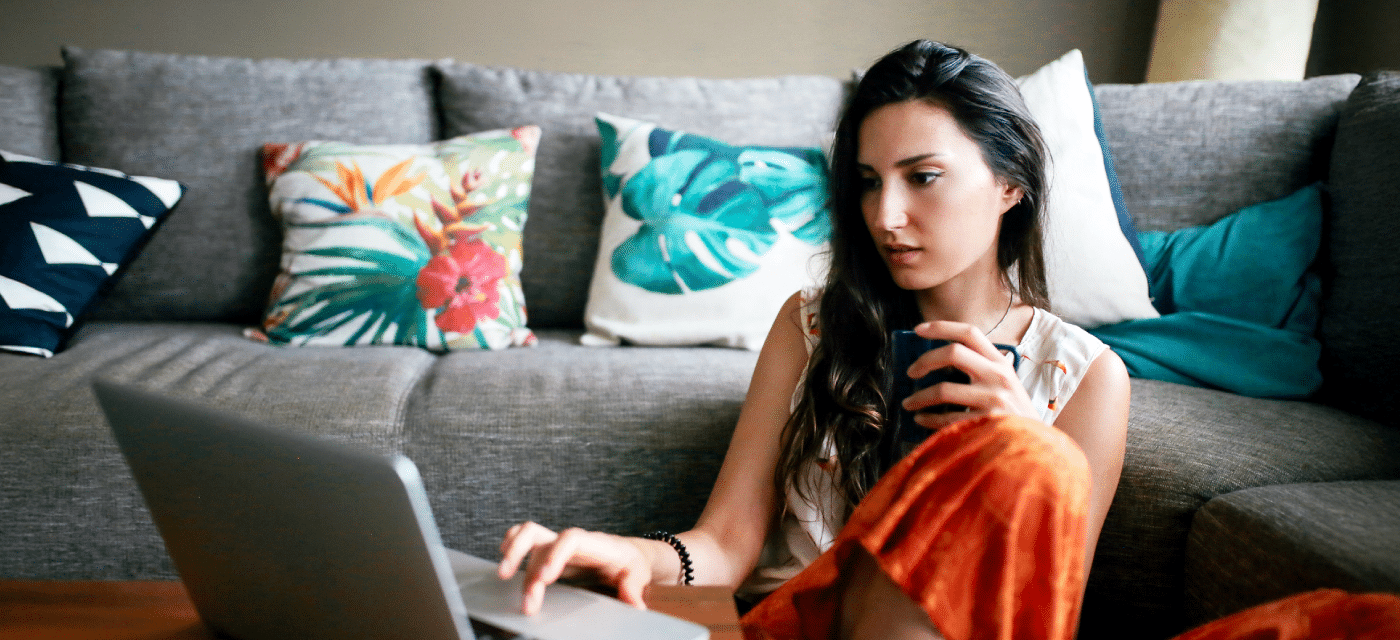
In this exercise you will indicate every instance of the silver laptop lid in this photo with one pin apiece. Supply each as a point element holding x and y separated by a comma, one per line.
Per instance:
<point>283,535</point>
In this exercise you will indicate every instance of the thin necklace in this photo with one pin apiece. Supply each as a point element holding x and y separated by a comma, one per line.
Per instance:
<point>1009,300</point>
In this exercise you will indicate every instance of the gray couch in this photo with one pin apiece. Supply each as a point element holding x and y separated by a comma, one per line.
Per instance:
<point>1225,501</point>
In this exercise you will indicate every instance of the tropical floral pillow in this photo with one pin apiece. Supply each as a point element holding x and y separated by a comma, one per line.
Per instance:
<point>401,244</point>
<point>702,241</point>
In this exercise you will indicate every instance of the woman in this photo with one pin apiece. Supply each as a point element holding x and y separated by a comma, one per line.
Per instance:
<point>939,182</point>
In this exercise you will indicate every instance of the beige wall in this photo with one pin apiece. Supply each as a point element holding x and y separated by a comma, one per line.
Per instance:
<point>715,38</point>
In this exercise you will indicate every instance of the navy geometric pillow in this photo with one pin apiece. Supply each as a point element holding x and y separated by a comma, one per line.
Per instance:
<point>65,233</point>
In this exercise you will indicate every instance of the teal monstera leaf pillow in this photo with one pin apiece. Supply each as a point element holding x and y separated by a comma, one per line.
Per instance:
<point>702,240</point>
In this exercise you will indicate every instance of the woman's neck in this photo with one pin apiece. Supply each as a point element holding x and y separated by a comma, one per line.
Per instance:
<point>979,298</point>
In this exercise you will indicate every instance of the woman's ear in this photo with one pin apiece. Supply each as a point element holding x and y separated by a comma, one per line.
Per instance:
<point>1010,195</point>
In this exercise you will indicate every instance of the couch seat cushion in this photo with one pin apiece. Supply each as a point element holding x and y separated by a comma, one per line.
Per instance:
<point>71,507</point>
<point>202,121</point>
<point>624,440</point>
<point>1254,546</point>
<point>1187,445</point>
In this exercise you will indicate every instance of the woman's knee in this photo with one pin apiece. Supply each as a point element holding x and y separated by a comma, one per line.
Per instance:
<point>1013,449</point>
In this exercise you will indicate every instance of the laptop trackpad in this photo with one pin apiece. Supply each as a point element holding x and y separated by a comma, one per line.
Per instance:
<point>569,613</point>
<point>491,595</point>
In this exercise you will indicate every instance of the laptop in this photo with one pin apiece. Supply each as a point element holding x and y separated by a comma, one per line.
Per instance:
<point>279,534</point>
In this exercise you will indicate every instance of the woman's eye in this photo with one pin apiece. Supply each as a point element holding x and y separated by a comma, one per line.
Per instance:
<point>869,183</point>
<point>924,177</point>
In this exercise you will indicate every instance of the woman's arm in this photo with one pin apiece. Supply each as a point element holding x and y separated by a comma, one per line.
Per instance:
<point>744,501</point>
<point>1096,418</point>
<point>725,544</point>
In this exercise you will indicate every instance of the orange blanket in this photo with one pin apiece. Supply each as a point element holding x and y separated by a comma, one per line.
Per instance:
<point>983,526</point>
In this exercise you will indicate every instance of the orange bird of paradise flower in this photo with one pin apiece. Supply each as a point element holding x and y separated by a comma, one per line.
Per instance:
<point>352,191</point>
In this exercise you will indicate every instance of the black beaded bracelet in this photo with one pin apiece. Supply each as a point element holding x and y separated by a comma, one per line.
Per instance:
<point>687,572</point>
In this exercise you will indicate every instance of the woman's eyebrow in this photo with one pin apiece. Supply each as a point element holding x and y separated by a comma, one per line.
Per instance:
<point>907,161</point>
<point>917,159</point>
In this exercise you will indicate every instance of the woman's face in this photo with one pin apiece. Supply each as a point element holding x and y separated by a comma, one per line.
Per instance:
<point>931,203</point>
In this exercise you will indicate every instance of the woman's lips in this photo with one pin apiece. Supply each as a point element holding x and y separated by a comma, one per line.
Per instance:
<point>902,255</point>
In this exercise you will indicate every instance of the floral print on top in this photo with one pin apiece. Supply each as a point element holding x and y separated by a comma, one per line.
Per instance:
<point>1055,356</point>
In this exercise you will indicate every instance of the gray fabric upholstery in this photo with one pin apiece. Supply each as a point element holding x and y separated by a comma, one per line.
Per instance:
<point>1254,546</point>
<point>1187,445</point>
<point>631,439</point>
<point>1361,272</point>
<point>566,203</point>
<point>623,440</point>
<point>1190,153</point>
<point>30,122</point>
<point>93,523</point>
<point>203,121</point>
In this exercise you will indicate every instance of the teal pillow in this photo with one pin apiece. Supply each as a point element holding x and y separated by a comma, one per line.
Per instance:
<point>1239,302</point>
<point>703,240</point>
<point>1252,265</point>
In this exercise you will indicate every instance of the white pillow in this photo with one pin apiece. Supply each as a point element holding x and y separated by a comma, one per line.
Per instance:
<point>1094,274</point>
<point>702,241</point>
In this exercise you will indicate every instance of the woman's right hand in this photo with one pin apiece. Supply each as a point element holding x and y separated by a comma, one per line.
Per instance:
<point>620,562</point>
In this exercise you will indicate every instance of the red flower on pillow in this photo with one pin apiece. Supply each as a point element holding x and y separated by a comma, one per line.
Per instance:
<point>466,281</point>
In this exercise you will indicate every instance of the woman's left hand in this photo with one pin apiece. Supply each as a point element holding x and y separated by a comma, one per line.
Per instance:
<point>994,388</point>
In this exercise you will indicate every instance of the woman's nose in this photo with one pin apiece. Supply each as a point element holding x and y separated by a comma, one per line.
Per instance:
<point>891,213</point>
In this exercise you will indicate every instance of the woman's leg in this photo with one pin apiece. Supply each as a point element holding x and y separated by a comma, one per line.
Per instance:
<point>1325,614</point>
<point>982,527</point>
<point>873,606</point>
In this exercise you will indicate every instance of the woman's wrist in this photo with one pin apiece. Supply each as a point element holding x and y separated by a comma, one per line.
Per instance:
<point>685,572</point>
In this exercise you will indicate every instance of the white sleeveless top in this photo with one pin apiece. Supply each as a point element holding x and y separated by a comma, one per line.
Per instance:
<point>1054,357</point>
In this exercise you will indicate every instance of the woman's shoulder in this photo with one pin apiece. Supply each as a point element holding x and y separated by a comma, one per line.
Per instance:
<point>1055,356</point>
<point>1051,339</point>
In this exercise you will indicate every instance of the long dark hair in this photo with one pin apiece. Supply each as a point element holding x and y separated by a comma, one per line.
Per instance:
<point>843,400</point>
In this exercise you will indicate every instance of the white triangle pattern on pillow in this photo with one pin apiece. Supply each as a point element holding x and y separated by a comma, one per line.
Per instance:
<point>22,296</point>
<point>61,249</point>
<point>10,194</point>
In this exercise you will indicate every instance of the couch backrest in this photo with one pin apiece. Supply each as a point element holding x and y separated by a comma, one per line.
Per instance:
<point>1186,153</point>
<point>1190,153</point>
<point>203,121</point>
<point>28,117</point>
<point>1360,267</point>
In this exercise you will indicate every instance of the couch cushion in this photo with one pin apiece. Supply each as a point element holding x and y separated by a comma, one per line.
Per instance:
<point>1189,153</point>
<point>1360,265</point>
<point>566,208</point>
<point>29,100</point>
<point>202,121</point>
<point>71,507</point>
<point>1187,445</point>
<point>1339,535</point>
<point>622,440</point>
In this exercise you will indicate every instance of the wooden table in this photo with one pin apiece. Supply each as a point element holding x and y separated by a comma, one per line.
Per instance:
<point>161,610</point>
